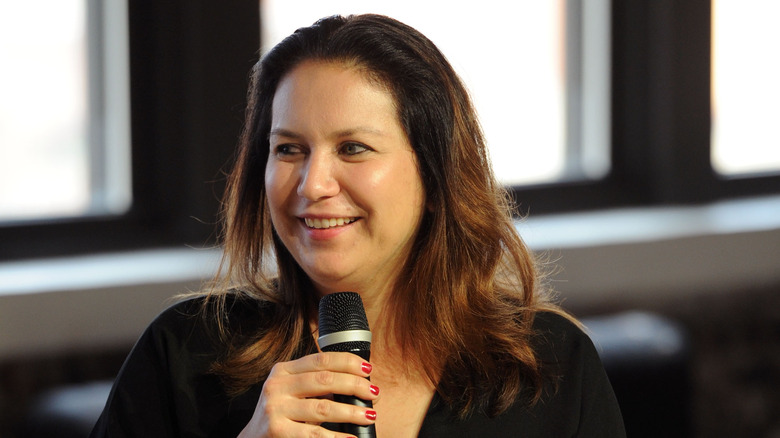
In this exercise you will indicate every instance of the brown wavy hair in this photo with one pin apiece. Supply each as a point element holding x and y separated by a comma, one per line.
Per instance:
<point>466,297</point>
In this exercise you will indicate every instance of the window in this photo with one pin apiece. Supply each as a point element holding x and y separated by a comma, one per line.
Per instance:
<point>151,75</point>
<point>632,99</point>
<point>745,87</point>
<point>60,94</point>
<point>537,71</point>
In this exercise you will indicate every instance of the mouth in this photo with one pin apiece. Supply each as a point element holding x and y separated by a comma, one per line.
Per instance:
<point>321,224</point>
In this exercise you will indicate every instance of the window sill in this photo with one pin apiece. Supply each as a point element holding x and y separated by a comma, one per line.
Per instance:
<point>628,258</point>
<point>640,257</point>
<point>92,302</point>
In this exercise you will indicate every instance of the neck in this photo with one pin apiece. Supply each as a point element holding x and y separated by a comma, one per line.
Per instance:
<point>375,312</point>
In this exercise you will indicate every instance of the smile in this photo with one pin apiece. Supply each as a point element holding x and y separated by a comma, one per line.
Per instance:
<point>329,223</point>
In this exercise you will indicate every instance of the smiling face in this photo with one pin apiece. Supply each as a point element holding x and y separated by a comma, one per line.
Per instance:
<point>344,190</point>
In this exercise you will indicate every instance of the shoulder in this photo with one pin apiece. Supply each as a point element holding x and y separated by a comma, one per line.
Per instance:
<point>233,309</point>
<point>555,335</point>
<point>166,383</point>
<point>563,348</point>
<point>548,321</point>
<point>198,321</point>
<point>580,386</point>
<point>577,399</point>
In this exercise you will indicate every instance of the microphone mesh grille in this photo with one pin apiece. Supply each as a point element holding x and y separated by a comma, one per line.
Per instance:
<point>341,311</point>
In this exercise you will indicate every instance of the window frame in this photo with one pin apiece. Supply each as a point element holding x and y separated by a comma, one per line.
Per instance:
<point>188,94</point>
<point>189,68</point>
<point>660,118</point>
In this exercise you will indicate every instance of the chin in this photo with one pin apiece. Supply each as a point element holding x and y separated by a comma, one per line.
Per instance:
<point>326,281</point>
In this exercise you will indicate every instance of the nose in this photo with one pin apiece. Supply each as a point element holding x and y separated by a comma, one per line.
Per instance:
<point>318,179</point>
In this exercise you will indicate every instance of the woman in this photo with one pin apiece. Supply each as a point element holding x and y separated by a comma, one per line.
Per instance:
<point>362,168</point>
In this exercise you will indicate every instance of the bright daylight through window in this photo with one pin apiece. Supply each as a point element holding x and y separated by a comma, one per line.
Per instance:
<point>745,87</point>
<point>64,124</point>
<point>512,57</point>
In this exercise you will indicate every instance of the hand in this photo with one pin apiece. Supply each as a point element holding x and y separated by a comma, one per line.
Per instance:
<point>293,404</point>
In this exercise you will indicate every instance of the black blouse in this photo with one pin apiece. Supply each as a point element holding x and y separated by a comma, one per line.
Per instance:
<point>164,389</point>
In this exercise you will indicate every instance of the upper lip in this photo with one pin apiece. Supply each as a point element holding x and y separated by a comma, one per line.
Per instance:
<point>326,216</point>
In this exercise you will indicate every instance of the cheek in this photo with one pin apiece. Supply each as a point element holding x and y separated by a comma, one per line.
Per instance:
<point>276,182</point>
<point>398,188</point>
<point>270,185</point>
<point>409,182</point>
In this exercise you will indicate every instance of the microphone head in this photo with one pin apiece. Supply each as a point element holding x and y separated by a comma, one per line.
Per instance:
<point>342,311</point>
<point>343,325</point>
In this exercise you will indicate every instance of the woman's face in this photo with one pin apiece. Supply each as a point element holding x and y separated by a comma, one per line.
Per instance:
<point>344,190</point>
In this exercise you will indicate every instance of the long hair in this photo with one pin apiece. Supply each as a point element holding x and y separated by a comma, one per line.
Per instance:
<point>470,284</point>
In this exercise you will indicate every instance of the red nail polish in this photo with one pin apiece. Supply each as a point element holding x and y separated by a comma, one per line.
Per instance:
<point>371,415</point>
<point>374,389</point>
<point>366,367</point>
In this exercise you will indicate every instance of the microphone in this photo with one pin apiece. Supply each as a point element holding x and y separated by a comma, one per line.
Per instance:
<point>343,326</point>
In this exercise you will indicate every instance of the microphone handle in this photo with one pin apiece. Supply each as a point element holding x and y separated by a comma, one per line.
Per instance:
<point>355,429</point>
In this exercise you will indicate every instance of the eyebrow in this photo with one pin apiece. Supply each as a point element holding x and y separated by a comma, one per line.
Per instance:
<point>283,133</point>
<point>338,134</point>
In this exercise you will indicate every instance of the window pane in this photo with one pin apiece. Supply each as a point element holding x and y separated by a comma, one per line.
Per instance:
<point>52,105</point>
<point>511,56</point>
<point>745,86</point>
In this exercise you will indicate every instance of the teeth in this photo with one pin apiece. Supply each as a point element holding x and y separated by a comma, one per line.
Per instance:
<point>328,223</point>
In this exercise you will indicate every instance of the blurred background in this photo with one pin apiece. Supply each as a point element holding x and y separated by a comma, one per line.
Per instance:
<point>639,140</point>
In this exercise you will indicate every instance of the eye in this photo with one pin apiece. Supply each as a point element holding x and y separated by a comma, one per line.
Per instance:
<point>286,150</point>
<point>352,148</point>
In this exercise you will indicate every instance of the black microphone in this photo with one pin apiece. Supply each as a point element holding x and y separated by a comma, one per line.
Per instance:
<point>343,326</point>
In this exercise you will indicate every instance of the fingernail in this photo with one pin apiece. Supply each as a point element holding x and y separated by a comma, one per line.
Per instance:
<point>374,389</point>
<point>366,367</point>
<point>371,415</point>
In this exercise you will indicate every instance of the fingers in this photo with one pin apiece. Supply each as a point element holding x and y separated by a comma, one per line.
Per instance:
<point>300,430</point>
<point>331,361</point>
<point>321,374</point>
<point>322,383</point>
<point>309,414</point>
<point>324,410</point>
<point>274,420</point>
<point>293,403</point>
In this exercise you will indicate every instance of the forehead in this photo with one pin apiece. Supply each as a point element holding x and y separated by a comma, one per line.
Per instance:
<point>331,91</point>
<point>353,69</point>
